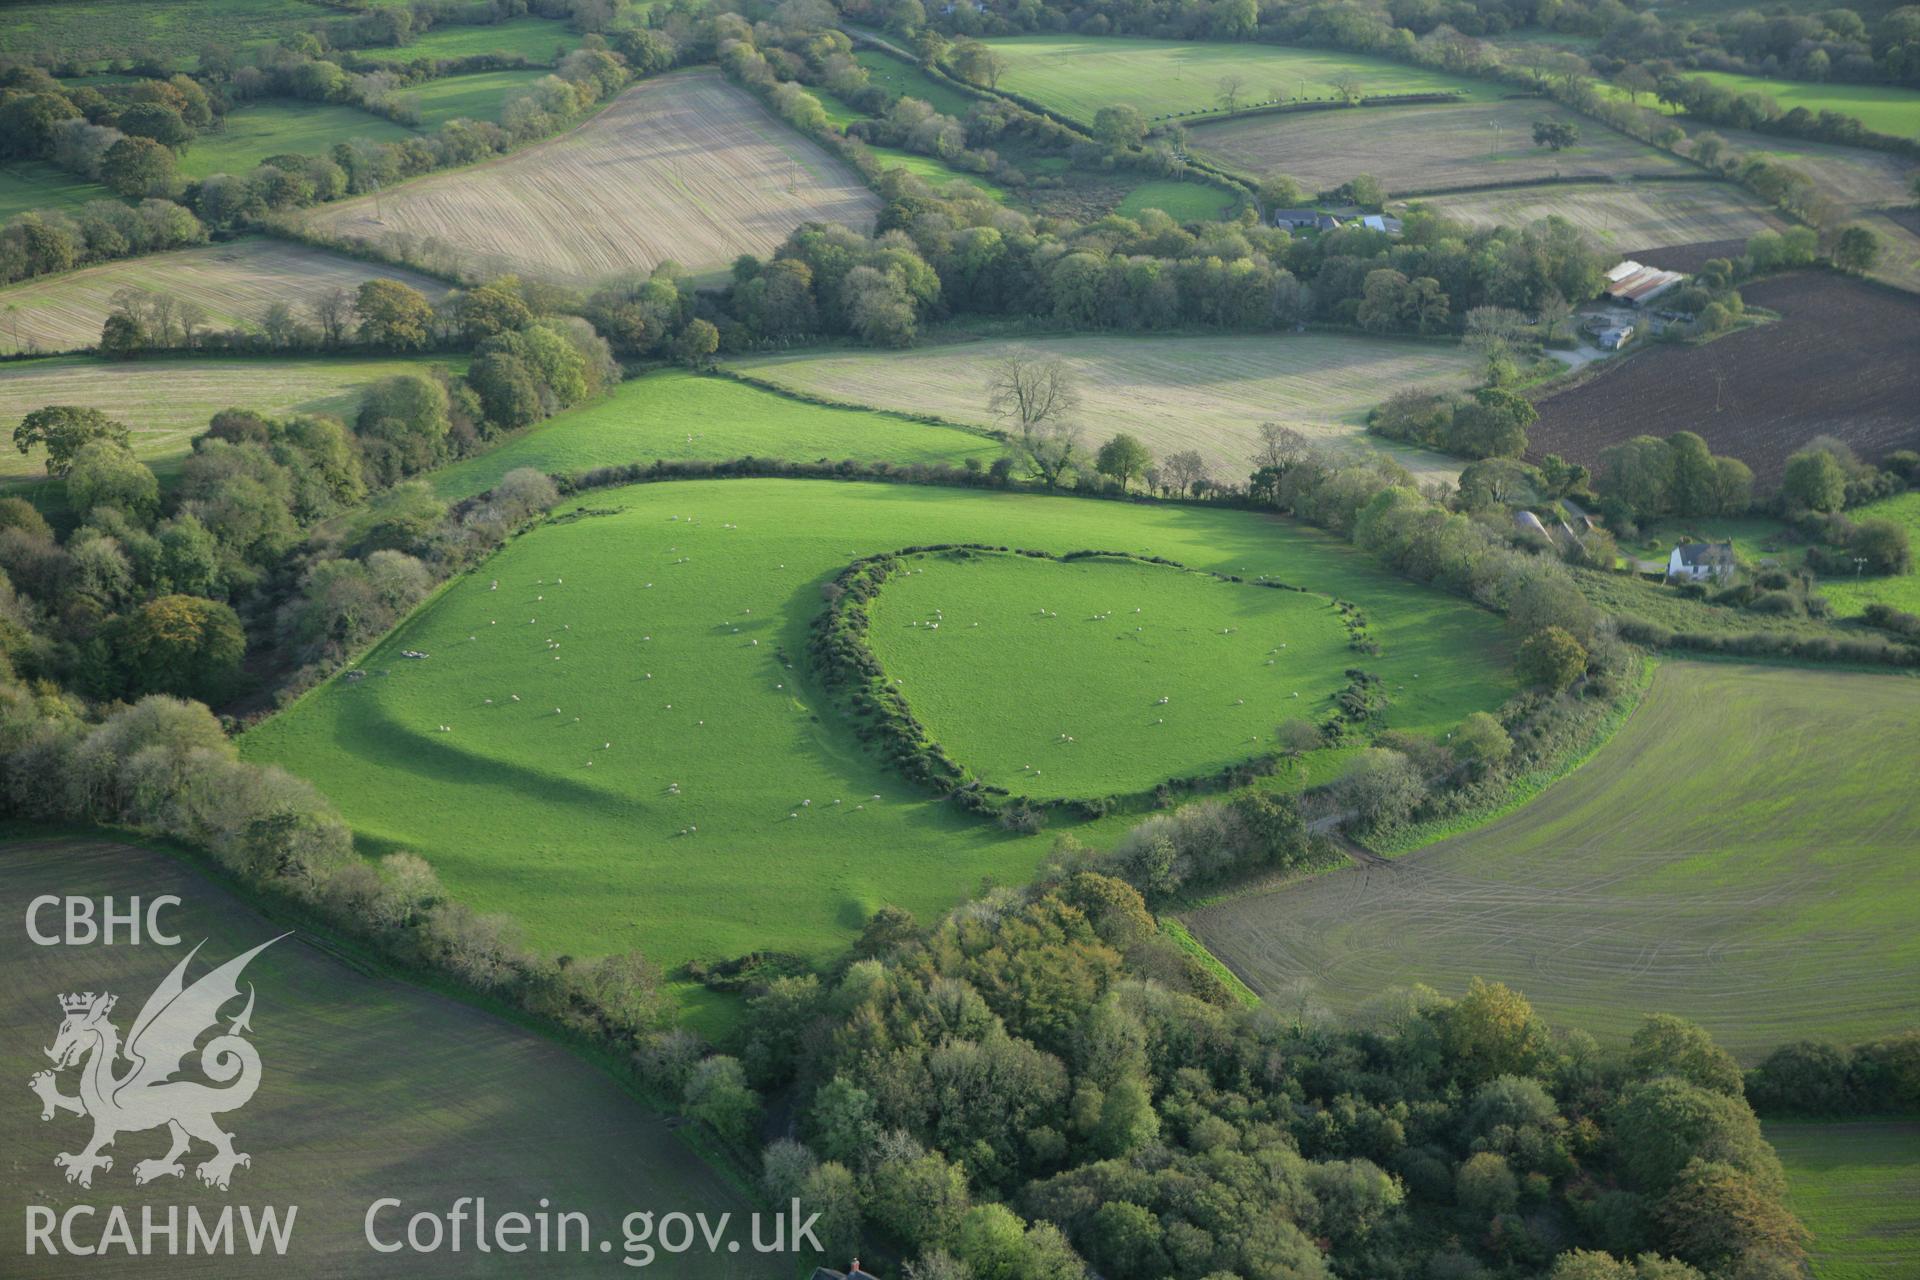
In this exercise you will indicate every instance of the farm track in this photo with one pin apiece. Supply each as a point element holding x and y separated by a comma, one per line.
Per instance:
<point>1843,360</point>
<point>1731,856</point>
<point>684,167</point>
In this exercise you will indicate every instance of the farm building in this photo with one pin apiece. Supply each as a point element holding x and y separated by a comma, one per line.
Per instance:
<point>1701,562</point>
<point>1304,220</point>
<point>1615,336</point>
<point>1527,522</point>
<point>1636,284</point>
<point>1381,222</point>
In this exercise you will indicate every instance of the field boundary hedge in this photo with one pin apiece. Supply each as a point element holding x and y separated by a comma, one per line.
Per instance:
<point>828,402</point>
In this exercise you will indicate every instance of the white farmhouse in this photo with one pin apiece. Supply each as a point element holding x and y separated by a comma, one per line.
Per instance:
<point>1701,562</point>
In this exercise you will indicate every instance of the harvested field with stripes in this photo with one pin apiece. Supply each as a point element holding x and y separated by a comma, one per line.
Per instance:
<point>168,402</point>
<point>1204,393</point>
<point>1738,854</point>
<point>1621,215</point>
<point>684,167</point>
<point>1424,148</point>
<point>235,282</point>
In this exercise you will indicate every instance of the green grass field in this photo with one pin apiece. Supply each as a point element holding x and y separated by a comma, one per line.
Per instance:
<point>681,607</point>
<point>1222,655</point>
<point>174,29</point>
<point>676,415</point>
<point>168,402</point>
<point>263,129</point>
<point>1183,201</point>
<point>1077,75</point>
<point>34,184</point>
<point>370,1087</point>
<point>480,96</point>
<point>1883,108</point>
<point>1207,393</point>
<point>1857,1187</point>
<point>1737,854</point>
<point>899,76</point>
<point>933,170</point>
<point>531,38</point>
<point>1850,596</point>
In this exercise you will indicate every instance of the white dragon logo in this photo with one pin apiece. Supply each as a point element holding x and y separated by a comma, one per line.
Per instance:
<point>146,1096</point>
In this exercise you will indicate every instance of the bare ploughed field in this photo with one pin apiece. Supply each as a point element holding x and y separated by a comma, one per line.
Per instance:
<point>1843,360</point>
<point>684,167</point>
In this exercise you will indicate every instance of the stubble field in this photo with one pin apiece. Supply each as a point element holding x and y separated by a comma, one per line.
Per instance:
<point>1208,394</point>
<point>1621,216</point>
<point>1425,148</point>
<point>684,167</point>
<point>236,282</point>
<point>169,402</point>
<point>1737,854</point>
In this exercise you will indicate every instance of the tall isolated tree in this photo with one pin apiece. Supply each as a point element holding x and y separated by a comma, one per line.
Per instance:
<point>1124,458</point>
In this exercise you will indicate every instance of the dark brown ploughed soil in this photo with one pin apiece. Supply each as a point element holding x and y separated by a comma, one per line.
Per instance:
<point>1843,360</point>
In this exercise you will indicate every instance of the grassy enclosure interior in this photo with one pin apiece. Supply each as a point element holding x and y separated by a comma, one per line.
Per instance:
<point>1857,1187</point>
<point>681,609</point>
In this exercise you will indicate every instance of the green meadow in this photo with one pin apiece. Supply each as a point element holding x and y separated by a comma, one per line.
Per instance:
<point>674,415</point>
<point>1883,108</point>
<point>1857,1187</point>
<point>1077,75</point>
<point>1182,201</point>
<point>634,750</point>
<point>35,184</point>
<point>480,96</point>
<point>275,127</point>
<point>933,170</point>
<point>1738,854</point>
<point>535,39</point>
<point>1850,596</point>
<point>998,655</point>
<point>899,76</point>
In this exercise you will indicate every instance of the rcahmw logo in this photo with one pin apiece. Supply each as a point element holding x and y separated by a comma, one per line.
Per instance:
<point>146,1095</point>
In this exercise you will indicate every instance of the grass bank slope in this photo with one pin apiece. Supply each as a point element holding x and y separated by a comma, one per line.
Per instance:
<point>675,415</point>
<point>1737,854</point>
<point>1206,393</point>
<point>236,282</point>
<point>1857,1187</point>
<point>370,1087</point>
<point>683,166</point>
<point>681,610</point>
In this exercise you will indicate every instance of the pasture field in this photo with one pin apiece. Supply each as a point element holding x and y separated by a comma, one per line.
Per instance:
<point>1736,855</point>
<point>531,38</point>
<point>275,127</point>
<point>168,402</point>
<point>1843,360</point>
<point>1183,201</point>
<point>370,1087</point>
<point>1850,596</point>
<point>935,171</point>
<point>1205,393</point>
<point>1189,668</point>
<point>1882,108</point>
<point>897,75</point>
<point>1647,215</point>
<point>236,282</point>
<point>682,166</point>
<point>480,96</point>
<point>673,813</point>
<point>175,29</point>
<point>1077,75</point>
<point>35,184</point>
<point>1424,148</point>
<point>1857,1187</point>
<point>675,415</point>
